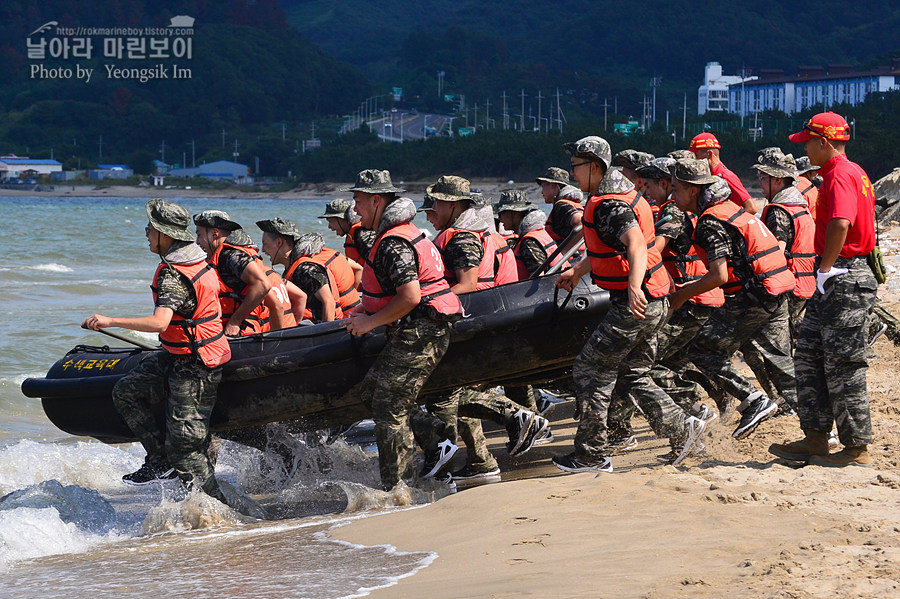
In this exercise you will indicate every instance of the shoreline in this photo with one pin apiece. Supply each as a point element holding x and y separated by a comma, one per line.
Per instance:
<point>736,522</point>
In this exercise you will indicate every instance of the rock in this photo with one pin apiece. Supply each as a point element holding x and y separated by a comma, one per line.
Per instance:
<point>887,198</point>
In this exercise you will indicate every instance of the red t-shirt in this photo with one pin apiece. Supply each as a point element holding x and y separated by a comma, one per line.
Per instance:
<point>846,192</point>
<point>739,193</point>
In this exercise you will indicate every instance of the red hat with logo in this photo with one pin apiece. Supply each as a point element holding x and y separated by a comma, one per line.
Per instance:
<point>827,125</point>
<point>704,141</point>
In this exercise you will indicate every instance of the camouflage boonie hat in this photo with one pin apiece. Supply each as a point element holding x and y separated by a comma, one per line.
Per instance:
<point>309,244</point>
<point>804,166</point>
<point>775,163</point>
<point>427,205</point>
<point>681,154</point>
<point>591,147</point>
<point>215,219</point>
<point>170,219</point>
<point>337,208</point>
<point>279,226</point>
<point>691,170</point>
<point>659,168</point>
<point>449,188</point>
<point>514,201</point>
<point>632,159</point>
<point>554,174</point>
<point>374,181</point>
<point>478,199</point>
<point>716,193</point>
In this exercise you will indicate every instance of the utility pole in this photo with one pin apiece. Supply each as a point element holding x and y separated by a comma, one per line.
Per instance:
<point>539,96</point>
<point>440,76</point>
<point>684,119</point>
<point>505,113</point>
<point>654,83</point>
<point>605,106</point>
<point>235,154</point>
<point>559,113</point>
<point>193,155</point>
<point>476,117</point>
<point>522,115</point>
<point>744,73</point>
<point>487,114</point>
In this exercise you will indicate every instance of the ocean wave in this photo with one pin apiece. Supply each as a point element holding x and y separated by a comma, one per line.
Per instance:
<point>50,267</point>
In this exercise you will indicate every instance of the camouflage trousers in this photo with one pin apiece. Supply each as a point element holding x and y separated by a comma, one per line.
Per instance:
<point>831,355</point>
<point>617,360</point>
<point>391,389</point>
<point>758,358</point>
<point>462,411</point>
<point>187,388</point>
<point>743,322</point>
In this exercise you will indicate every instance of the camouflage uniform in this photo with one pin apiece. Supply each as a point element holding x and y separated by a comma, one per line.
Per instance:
<point>620,353</point>
<point>310,277</point>
<point>831,355</point>
<point>742,320</point>
<point>415,345</point>
<point>186,385</point>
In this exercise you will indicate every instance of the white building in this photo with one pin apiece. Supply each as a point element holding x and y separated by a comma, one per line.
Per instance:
<point>827,86</point>
<point>14,167</point>
<point>713,94</point>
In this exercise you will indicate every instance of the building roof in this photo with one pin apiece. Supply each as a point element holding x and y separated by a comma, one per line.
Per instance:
<point>26,161</point>
<point>810,75</point>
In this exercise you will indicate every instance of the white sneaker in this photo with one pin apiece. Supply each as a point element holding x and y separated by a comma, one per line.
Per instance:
<point>694,427</point>
<point>434,462</point>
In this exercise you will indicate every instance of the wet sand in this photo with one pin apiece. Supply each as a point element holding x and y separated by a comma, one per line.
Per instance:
<point>736,522</point>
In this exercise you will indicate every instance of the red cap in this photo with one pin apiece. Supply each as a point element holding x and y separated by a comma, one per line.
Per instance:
<point>827,125</point>
<point>704,141</point>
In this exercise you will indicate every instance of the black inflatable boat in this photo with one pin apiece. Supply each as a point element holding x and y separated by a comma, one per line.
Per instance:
<point>525,332</point>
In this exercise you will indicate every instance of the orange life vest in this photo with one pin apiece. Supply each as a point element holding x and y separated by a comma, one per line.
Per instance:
<point>435,289</point>
<point>810,193</point>
<point>689,267</point>
<point>202,334</point>
<point>497,266</point>
<point>762,253</point>
<point>343,275</point>
<point>230,300</point>
<point>350,248</point>
<point>277,283</point>
<point>321,258</point>
<point>609,267</point>
<point>801,258</point>
<point>549,225</point>
<point>542,237</point>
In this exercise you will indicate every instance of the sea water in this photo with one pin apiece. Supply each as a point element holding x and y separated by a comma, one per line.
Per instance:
<point>70,527</point>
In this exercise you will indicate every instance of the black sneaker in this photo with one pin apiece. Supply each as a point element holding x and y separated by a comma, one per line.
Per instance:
<point>470,474</point>
<point>517,427</point>
<point>435,461</point>
<point>755,412</point>
<point>877,329</point>
<point>546,401</point>
<point>538,427</point>
<point>569,463</point>
<point>545,437</point>
<point>148,474</point>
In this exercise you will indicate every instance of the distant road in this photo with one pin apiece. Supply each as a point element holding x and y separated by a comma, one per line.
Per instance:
<point>404,126</point>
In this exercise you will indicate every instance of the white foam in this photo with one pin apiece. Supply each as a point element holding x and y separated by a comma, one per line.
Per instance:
<point>51,267</point>
<point>88,464</point>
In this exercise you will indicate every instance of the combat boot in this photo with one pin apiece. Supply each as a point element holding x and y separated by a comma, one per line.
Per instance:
<point>814,443</point>
<point>849,456</point>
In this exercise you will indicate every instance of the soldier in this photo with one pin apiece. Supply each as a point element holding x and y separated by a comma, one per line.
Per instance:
<point>745,260</point>
<point>245,289</point>
<point>278,240</point>
<point>706,147</point>
<point>552,182</point>
<point>630,161</point>
<point>808,183</point>
<point>187,373</point>
<point>685,262</point>
<point>307,270</point>
<point>618,232</point>
<point>533,243</point>
<point>474,259</point>
<point>831,348</point>
<point>344,221</point>
<point>403,286</point>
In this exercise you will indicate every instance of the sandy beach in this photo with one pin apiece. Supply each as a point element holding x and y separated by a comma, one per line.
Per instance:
<point>735,522</point>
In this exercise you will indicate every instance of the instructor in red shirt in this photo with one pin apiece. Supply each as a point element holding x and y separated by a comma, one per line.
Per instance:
<point>705,146</point>
<point>830,359</point>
